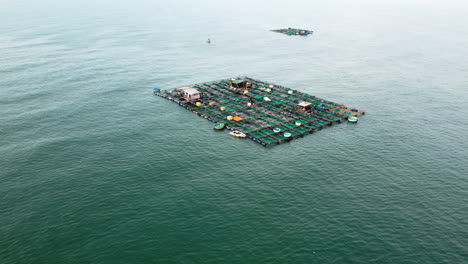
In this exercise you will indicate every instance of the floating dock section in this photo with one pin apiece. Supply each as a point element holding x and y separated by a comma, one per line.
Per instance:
<point>267,113</point>
<point>294,31</point>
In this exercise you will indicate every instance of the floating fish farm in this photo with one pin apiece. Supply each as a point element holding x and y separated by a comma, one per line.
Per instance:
<point>293,31</point>
<point>261,111</point>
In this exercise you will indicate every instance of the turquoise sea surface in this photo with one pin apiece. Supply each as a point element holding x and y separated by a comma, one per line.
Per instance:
<point>96,169</point>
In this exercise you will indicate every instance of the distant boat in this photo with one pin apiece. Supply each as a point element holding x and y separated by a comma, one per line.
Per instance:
<point>237,134</point>
<point>208,41</point>
<point>353,119</point>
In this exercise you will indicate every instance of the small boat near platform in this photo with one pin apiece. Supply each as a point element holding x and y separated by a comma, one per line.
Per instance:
<point>238,134</point>
<point>219,126</point>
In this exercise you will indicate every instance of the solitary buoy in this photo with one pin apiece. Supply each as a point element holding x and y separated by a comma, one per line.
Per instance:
<point>229,117</point>
<point>290,92</point>
<point>246,91</point>
<point>198,104</point>
<point>222,108</point>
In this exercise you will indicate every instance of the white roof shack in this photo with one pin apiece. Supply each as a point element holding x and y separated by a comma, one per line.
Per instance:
<point>189,90</point>
<point>190,93</point>
<point>304,104</point>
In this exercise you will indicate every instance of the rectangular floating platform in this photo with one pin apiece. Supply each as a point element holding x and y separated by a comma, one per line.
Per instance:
<point>267,113</point>
<point>294,31</point>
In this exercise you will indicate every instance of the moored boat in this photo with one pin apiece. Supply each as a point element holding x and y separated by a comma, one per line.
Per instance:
<point>219,126</point>
<point>353,119</point>
<point>238,134</point>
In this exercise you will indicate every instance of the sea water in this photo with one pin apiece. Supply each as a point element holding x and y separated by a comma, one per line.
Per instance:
<point>96,169</point>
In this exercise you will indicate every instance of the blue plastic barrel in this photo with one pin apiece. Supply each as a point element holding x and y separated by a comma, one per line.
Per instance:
<point>156,90</point>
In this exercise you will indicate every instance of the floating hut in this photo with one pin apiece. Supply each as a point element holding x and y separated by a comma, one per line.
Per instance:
<point>189,93</point>
<point>267,114</point>
<point>305,107</point>
<point>240,85</point>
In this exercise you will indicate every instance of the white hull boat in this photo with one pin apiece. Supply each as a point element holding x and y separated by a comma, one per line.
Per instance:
<point>237,134</point>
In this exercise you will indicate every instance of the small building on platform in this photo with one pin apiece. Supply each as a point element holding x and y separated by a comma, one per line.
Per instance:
<point>304,107</point>
<point>189,93</point>
<point>240,85</point>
